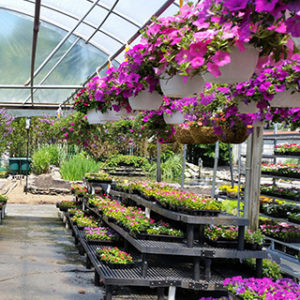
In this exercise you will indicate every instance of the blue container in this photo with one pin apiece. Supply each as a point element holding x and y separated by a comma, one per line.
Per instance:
<point>25,165</point>
<point>14,165</point>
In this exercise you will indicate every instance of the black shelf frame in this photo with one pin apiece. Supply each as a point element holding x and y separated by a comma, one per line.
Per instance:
<point>279,176</point>
<point>191,221</point>
<point>176,276</point>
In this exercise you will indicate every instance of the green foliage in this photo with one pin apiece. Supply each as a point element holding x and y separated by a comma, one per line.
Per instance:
<point>127,160</point>
<point>4,174</point>
<point>230,206</point>
<point>170,168</point>
<point>43,158</point>
<point>207,154</point>
<point>270,268</point>
<point>77,167</point>
<point>3,198</point>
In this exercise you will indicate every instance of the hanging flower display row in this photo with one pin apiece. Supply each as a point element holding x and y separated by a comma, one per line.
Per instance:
<point>227,63</point>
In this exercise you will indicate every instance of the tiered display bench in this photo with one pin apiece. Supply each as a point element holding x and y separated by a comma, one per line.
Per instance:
<point>159,264</point>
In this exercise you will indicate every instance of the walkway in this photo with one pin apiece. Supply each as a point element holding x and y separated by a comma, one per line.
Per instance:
<point>38,259</point>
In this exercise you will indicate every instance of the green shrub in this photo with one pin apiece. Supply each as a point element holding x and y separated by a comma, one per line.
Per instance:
<point>40,162</point>
<point>44,157</point>
<point>54,154</point>
<point>127,160</point>
<point>171,168</point>
<point>77,167</point>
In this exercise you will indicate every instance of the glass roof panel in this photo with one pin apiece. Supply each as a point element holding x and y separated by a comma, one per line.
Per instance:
<point>15,48</point>
<point>57,19</point>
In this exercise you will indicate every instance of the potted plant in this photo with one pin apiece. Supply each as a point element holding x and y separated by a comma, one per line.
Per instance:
<point>183,134</point>
<point>65,205</point>
<point>99,177</point>
<point>202,133</point>
<point>287,149</point>
<point>138,81</point>
<point>96,235</point>
<point>84,221</point>
<point>154,124</point>
<point>78,190</point>
<point>115,258</point>
<point>100,99</point>
<point>294,217</point>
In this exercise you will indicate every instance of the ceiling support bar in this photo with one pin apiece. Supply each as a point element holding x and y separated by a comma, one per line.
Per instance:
<point>122,48</point>
<point>54,67</point>
<point>36,27</point>
<point>103,21</point>
<point>41,87</point>
<point>62,42</point>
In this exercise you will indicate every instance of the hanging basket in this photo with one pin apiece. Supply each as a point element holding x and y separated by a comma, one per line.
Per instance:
<point>95,116</point>
<point>204,135</point>
<point>286,99</point>
<point>178,86</point>
<point>146,101</point>
<point>234,135</point>
<point>249,108</point>
<point>183,136</point>
<point>240,69</point>
<point>175,118</point>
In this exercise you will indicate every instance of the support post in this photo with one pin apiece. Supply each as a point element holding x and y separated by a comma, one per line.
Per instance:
<point>108,293</point>
<point>239,179</point>
<point>96,279</point>
<point>172,292</point>
<point>213,188</point>
<point>253,174</point>
<point>158,168</point>
<point>160,293</point>
<point>230,165</point>
<point>259,266</point>
<point>196,268</point>
<point>190,235</point>
<point>183,165</point>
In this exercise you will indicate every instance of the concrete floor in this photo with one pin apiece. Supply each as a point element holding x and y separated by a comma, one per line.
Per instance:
<point>38,259</point>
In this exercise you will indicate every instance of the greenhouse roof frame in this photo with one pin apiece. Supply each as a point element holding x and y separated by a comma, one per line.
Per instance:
<point>54,14</point>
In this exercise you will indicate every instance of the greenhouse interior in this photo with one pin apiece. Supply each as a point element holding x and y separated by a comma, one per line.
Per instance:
<point>136,160</point>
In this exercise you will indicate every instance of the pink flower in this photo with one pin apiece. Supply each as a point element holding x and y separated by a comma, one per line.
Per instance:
<point>213,69</point>
<point>233,5</point>
<point>197,62</point>
<point>71,129</point>
<point>293,25</point>
<point>66,134</point>
<point>198,49</point>
<point>221,58</point>
<point>265,5</point>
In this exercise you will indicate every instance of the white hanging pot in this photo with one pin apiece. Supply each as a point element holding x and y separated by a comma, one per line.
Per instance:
<point>286,99</point>
<point>178,86</point>
<point>112,115</point>
<point>146,101</point>
<point>296,41</point>
<point>94,116</point>
<point>175,118</point>
<point>240,69</point>
<point>249,108</point>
